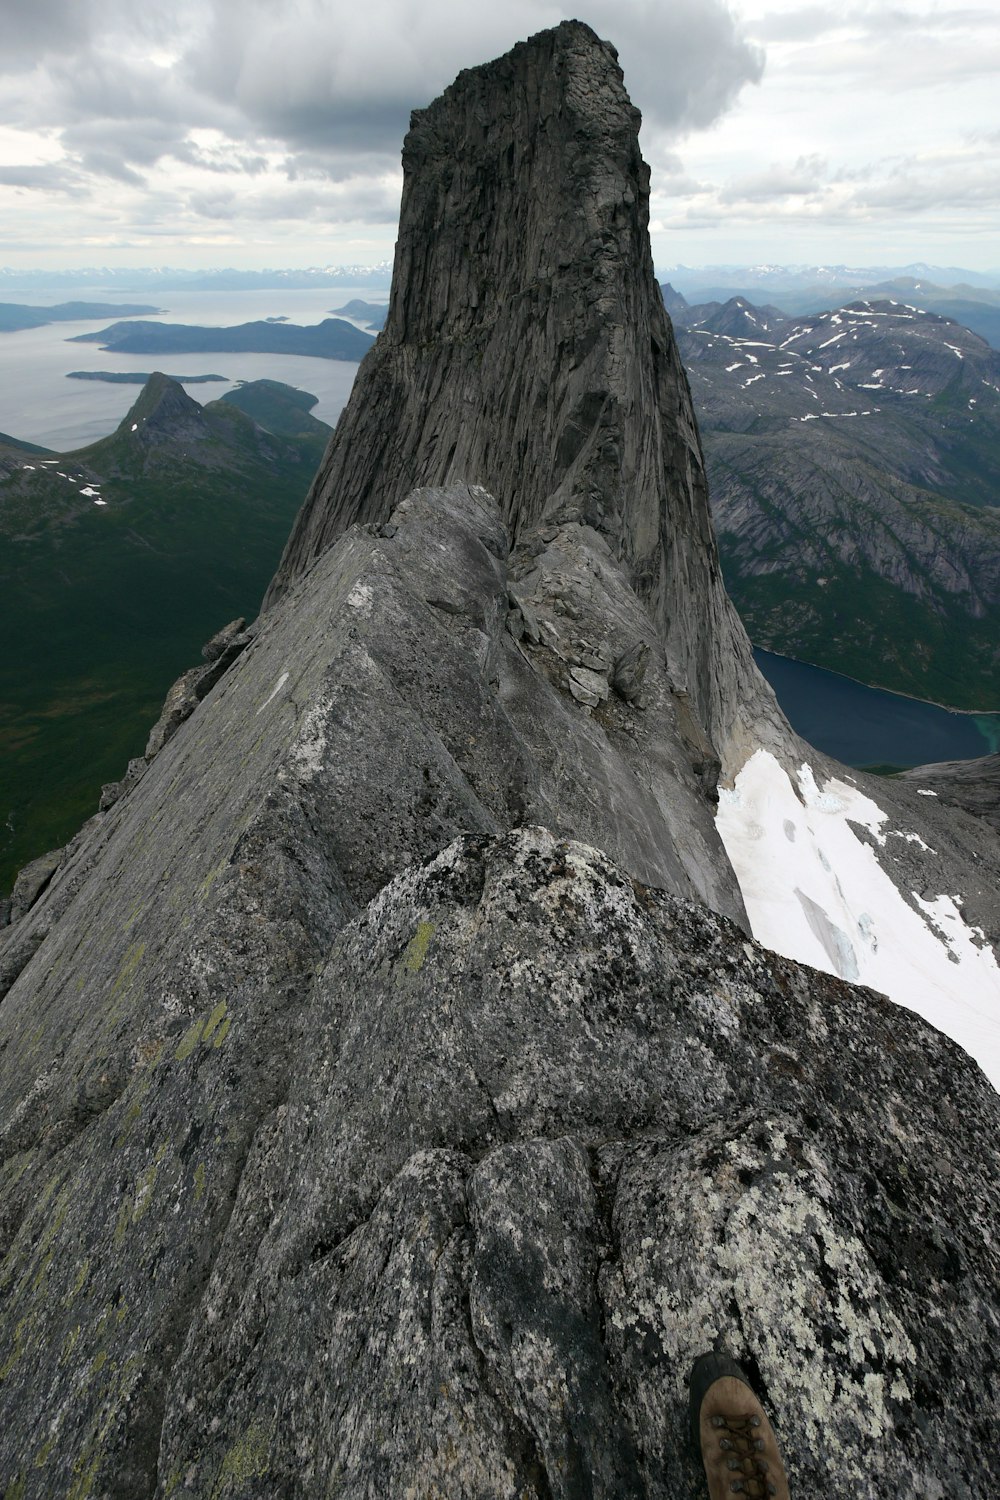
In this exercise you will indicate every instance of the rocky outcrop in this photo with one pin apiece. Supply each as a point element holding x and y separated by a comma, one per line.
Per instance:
<point>527,350</point>
<point>972,785</point>
<point>391,1100</point>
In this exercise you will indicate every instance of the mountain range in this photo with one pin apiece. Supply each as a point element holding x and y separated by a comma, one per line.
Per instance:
<point>399,1083</point>
<point>854,467</point>
<point>973,301</point>
<point>118,561</point>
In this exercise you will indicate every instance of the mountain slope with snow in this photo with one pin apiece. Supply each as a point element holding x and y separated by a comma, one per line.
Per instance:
<point>854,467</point>
<point>816,890</point>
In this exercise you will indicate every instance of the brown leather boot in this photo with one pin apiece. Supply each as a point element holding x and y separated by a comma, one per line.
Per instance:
<point>730,1428</point>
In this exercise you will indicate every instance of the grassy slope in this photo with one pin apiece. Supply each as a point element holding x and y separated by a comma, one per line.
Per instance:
<point>109,604</point>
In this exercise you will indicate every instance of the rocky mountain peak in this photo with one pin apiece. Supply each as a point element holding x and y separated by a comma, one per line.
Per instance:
<point>527,349</point>
<point>163,407</point>
<point>391,1099</point>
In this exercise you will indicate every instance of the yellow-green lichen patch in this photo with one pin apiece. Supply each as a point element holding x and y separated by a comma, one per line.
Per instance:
<point>18,1347</point>
<point>131,962</point>
<point>129,1118</point>
<point>210,1031</point>
<point>135,912</point>
<point>215,1019</point>
<point>144,1192</point>
<point>79,1281</point>
<point>15,1490</point>
<point>247,1459</point>
<point>199,1182</point>
<point>83,1482</point>
<point>42,1456</point>
<point>212,877</point>
<point>190,1039</point>
<point>416,951</point>
<point>124,1216</point>
<point>69,1344</point>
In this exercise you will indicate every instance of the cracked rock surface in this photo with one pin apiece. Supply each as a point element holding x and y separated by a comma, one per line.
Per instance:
<point>391,1102</point>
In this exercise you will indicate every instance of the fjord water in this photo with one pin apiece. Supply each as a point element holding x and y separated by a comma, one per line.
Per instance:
<point>39,405</point>
<point>864,726</point>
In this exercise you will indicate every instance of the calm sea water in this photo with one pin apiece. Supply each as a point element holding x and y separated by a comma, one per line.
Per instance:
<point>863,726</point>
<point>39,405</point>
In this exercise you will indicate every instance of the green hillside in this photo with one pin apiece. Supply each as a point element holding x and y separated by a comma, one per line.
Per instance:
<point>117,562</point>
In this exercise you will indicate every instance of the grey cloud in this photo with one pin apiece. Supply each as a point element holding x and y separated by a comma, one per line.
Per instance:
<point>684,63</point>
<point>804,178</point>
<point>807,23</point>
<point>31,30</point>
<point>326,82</point>
<point>361,202</point>
<point>339,76</point>
<point>44,177</point>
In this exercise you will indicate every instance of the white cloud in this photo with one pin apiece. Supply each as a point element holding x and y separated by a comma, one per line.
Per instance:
<point>217,113</point>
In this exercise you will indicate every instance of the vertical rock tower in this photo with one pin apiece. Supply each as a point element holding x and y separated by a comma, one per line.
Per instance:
<point>527,350</point>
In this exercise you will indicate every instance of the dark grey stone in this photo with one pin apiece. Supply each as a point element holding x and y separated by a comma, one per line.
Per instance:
<point>391,1101</point>
<point>527,349</point>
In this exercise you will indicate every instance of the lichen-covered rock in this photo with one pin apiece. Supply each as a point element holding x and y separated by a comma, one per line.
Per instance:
<point>973,785</point>
<point>458,1212</point>
<point>32,880</point>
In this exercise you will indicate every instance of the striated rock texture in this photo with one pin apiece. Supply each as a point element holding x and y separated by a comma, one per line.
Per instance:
<point>972,785</point>
<point>527,349</point>
<point>391,1102</point>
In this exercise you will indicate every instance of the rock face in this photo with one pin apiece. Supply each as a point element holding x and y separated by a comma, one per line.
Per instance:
<point>391,1101</point>
<point>526,349</point>
<point>973,785</point>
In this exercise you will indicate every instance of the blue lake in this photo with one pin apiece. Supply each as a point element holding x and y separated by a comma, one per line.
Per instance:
<point>864,726</point>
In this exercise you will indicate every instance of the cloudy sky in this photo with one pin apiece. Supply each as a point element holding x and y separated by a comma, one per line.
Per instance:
<point>266,132</point>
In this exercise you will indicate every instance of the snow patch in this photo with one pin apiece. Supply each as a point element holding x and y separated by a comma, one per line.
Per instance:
<point>815,891</point>
<point>274,692</point>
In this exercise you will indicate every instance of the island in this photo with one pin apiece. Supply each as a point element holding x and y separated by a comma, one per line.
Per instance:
<point>373,313</point>
<point>331,339</point>
<point>136,377</point>
<point>15,316</point>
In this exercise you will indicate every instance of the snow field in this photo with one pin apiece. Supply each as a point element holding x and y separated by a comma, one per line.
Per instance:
<point>816,893</point>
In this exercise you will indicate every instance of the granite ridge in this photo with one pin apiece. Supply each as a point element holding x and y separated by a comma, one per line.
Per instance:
<point>527,350</point>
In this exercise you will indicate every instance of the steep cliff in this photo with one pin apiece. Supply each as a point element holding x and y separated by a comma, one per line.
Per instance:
<point>392,1100</point>
<point>527,349</point>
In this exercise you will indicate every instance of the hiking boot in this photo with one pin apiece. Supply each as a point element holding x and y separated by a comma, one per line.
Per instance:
<point>732,1433</point>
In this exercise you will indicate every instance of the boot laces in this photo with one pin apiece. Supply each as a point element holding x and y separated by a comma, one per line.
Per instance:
<point>740,1440</point>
